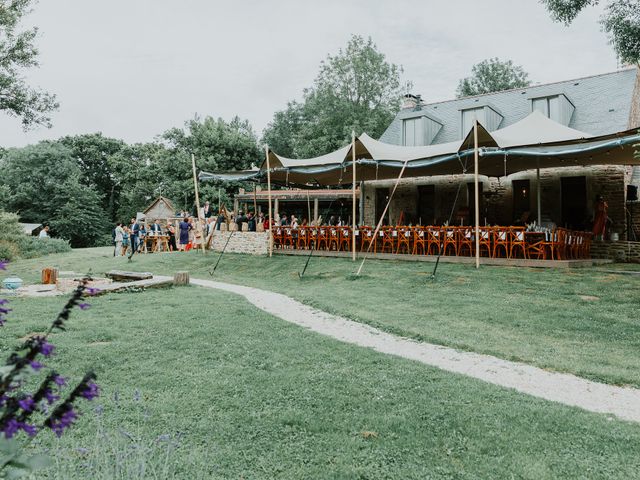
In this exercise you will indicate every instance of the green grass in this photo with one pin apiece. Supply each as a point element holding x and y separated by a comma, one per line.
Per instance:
<point>531,315</point>
<point>198,384</point>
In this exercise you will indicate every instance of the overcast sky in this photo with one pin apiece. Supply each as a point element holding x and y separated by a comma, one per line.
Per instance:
<point>133,68</point>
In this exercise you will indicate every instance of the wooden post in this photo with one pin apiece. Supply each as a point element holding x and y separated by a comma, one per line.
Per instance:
<point>266,151</point>
<point>181,278</point>
<point>316,210</point>
<point>49,275</point>
<point>476,191</point>
<point>538,198</point>
<point>355,224</point>
<point>255,201</point>
<point>195,184</point>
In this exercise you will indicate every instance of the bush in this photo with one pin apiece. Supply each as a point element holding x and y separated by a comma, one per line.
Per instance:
<point>14,243</point>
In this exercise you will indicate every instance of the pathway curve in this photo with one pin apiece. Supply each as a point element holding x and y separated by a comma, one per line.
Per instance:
<point>558,387</point>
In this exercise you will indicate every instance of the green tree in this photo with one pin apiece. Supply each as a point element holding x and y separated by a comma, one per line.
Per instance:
<point>18,52</point>
<point>492,75</point>
<point>357,89</point>
<point>92,153</point>
<point>621,21</point>
<point>44,185</point>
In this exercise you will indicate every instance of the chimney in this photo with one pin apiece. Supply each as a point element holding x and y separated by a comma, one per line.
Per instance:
<point>411,101</point>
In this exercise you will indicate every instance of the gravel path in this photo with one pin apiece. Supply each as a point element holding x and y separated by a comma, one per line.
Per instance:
<point>558,387</point>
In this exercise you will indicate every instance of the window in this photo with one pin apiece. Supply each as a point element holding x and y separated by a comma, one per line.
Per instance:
<point>556,107</point>
<point>487,116</point>
<point>419,131</point>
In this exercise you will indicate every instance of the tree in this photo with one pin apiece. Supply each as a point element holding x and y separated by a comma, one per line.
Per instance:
<point>492,75</point>
<point>44,185</point>
<point>621,21</point>
<point>18,52</point>
<point>357,89</point>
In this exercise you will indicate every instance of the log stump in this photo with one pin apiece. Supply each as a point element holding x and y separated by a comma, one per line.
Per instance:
<point>49,275</point>
<point>181,278</point>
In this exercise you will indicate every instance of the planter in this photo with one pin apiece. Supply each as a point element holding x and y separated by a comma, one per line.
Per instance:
<point>12,283</point>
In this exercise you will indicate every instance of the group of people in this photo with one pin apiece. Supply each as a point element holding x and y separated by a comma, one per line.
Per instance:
<point>132,237</point>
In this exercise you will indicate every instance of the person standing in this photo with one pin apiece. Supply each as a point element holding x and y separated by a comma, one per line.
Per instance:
<point>600,217</point>
<point>206,210</point>
<point>171,230</point>
<point>185,227</point>
<point>133,235</point>
<point>155,227</point>
<point>119,233</point>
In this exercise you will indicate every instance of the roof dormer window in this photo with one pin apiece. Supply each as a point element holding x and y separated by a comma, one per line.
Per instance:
<point>556,107</point>
<point>487,116</point>
<point>419,131</point>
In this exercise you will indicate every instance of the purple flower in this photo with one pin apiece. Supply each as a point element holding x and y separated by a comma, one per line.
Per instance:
<point>60,380</point>
<point>50,396</point>
<point>46,348</point>
<point>3,301</point>
<point>91,392</point>
<point>30,430</point>
<point>84,306</point>
<point>91,291</point>
<point>36,365</point>
<point>4,311</point>
<point>26,404</point>
<point>11,427</point>
<point>3,400</point>
<point>65,421</point>
<point>3,264</point>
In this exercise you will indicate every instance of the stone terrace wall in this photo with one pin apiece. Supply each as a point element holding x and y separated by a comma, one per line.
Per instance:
<point>252,243</point>
<point>618,251</point>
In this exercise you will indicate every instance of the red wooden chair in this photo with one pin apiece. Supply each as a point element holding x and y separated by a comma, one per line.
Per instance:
<point>434,239</point>
<point>466,242</point>
<point>368,241</point>
<point>517,241</point>
<point>403,240</point>
<point>484,242</point>
<point>450,239</point>
<point>277,236</point>
<point>303,240</point>
<point>500,241</point>
<point>334,238</point>
<point>287,238</point>
<point>389,239</point>
<point>344,234</point>
<point>535,244</point>
<point>553,244</point>
<point>419,240</point>
<point>322,241</point>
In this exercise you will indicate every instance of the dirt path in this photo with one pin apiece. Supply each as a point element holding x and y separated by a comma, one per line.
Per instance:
<point>558,387</point>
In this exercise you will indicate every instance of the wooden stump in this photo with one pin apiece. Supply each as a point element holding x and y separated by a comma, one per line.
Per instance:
<point>49,275</point>
<point>181,278</point>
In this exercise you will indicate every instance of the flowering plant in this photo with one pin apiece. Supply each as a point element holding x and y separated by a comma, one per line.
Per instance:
<point>29,413</point>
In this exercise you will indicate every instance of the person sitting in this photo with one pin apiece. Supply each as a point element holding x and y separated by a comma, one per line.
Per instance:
<point>294,221</point>
<point>284,221</point>
<point>155,227</point>
<point>44,233</point>
<point>332,221</point>
<point>240,219</point>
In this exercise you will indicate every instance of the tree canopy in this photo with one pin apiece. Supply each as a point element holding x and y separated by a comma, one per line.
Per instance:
<point>492,75</point>
<point>621,21</point>
<point>356,89</point>
<point>17,53</point>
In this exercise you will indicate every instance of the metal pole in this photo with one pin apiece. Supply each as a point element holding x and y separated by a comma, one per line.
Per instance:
<point>195,183</point>
<point>477,191</point>
<point>266,151</point>
<point>538,198</point>
<point>353,228</point>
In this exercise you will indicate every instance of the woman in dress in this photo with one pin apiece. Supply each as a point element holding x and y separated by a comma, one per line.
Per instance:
<point>185,227</point>
<point>125,240</point>
<point>171,231</point>
<point>600,217</point>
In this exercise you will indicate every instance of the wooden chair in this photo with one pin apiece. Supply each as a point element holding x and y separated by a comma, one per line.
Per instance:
<point>535,244</point>
<point>434,237</point>
<point>501,240</point>
<point>322,242</point>
<point>367,241</point>
<point>344,235</point>
<point>334,238</point>
<point>466,241</point>
<point>277,236</point>
<point>517,241</point>
<point>484,242</point>
<point>553,244</point>
<point>403,240</point>
<point>450,239</point>
<point>287,238</point>
<point>419,240</point>
<point>303,238</point>
<point>389,239</point>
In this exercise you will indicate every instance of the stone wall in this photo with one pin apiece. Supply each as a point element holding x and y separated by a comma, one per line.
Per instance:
<point>253,243</point>
<point>496,204</point>
<point>619,251</point>
<point>634,215</point>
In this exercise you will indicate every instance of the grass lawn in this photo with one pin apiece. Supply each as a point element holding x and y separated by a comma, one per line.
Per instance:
<point>198,384</point>
<point>581,321</point>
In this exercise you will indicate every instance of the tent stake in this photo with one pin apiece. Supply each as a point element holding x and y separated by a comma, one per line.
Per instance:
<point>266,151</point>
<point>477,193</point>
<point>353,228</point>
<point>195,184</point>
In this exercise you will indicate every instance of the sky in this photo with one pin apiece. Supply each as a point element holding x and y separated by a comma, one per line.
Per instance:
<point>132,69</point>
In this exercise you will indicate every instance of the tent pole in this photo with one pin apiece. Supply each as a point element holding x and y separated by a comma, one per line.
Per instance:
<point>538,199</point>
<point>266,152</point>
<point>255,201</point>
<point>476,191</point>
<point>195,184</point>
<point>353,228</point>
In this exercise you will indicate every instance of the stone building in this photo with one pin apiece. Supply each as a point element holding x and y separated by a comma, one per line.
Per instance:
<point>596,105</point>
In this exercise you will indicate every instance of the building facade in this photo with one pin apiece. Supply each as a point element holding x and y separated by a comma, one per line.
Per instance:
<point>596,105</point>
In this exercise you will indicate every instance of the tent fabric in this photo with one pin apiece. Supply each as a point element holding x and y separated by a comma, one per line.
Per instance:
<point>522,146</point>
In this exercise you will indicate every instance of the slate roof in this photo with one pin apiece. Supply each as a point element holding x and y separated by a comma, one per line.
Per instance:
<point>602,105</point>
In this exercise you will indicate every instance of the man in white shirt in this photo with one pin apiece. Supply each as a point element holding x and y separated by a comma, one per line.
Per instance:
<point>119,232</point>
